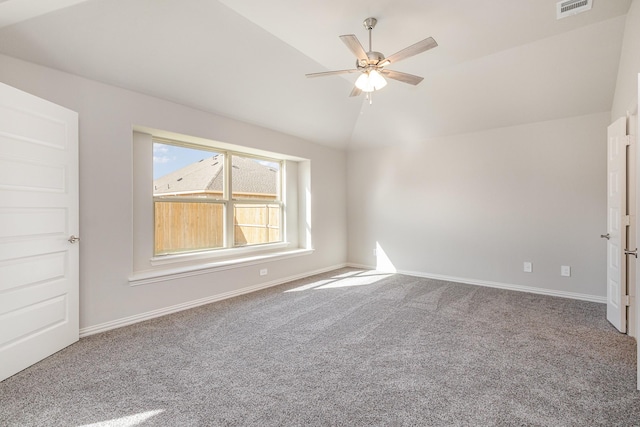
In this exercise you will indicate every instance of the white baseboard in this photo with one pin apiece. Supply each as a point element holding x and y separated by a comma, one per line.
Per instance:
<point>361,266</point>
<point>118,323</point>
<point>511,287</point>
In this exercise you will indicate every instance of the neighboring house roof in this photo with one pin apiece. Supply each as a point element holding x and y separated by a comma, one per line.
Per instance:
<point>249,177</point>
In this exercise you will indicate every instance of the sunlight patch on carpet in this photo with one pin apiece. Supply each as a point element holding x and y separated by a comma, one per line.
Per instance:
<point>128,421</point>
<point>357,278</point>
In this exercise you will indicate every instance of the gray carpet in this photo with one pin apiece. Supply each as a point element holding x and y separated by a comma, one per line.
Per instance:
<point>344,348</point>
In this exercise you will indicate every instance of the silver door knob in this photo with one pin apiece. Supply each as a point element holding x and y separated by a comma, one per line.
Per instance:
<point>633,252</point>
<point>605,236</point>
<point>73,239</point>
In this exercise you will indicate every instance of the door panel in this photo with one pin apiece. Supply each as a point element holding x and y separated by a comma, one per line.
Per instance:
<point>631,233</point>
<point>616,227</point>
<point>38,212</point>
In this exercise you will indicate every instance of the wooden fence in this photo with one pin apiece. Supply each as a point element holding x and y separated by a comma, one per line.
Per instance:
<point>192,226</point>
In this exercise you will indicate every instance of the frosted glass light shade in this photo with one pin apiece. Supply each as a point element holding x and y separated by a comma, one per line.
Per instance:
<point>363,83</point>
<point>370,81</point>
<point>377,80</point>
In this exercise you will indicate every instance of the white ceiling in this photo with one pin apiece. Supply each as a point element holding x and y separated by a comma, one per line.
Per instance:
<point>12,11</point>
<point>499,62</point>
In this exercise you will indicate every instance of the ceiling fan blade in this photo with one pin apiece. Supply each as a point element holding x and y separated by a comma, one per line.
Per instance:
<point>414,49</point>
<point>355,92</point>
<point>354,46</point>
<point>402,77</point>
<point>332,73</point>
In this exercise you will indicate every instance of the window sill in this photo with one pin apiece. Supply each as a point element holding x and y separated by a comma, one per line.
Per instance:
<point>160,275</point>
<point>233,253</point>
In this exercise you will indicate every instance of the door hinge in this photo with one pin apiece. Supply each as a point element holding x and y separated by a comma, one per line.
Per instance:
<point>626,220</point>
<point>626,300</point>
<point>627,140</point>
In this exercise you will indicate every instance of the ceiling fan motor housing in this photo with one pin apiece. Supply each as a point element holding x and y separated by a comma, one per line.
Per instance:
<point>374,58</point>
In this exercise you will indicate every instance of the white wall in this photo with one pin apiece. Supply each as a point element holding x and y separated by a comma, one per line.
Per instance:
<point>627,84</point>
<point>477,206</point>
<point>107,115</point>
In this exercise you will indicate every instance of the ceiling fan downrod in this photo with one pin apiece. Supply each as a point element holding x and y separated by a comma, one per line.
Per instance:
<point>370,24</point>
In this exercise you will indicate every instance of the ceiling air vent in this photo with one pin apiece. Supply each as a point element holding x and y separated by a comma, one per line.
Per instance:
<point>572,7</point>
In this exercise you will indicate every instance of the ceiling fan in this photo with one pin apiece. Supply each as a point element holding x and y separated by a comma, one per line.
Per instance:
<point>372,64</point>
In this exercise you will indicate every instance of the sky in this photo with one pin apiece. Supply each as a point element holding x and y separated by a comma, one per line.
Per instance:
<point>169,158</point>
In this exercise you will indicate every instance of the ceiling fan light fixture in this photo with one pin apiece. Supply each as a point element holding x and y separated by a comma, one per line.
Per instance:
<point>370,81</point>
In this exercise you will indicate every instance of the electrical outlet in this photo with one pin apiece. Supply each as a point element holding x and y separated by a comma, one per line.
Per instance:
<point>565,271</point>
<point>264,272</point>
<point>527,267</point>
<point>375,252</point>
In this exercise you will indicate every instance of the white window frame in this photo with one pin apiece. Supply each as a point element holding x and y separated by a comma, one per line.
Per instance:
<point>227,200</point>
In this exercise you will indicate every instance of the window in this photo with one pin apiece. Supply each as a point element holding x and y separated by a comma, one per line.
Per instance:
<point>180,229</point>
<point>206,198</point>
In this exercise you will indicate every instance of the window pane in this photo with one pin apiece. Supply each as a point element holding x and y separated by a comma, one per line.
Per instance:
<point>255,178</point>
<point>181,227</point>
<point>257,223</point>
<point>187,172</point>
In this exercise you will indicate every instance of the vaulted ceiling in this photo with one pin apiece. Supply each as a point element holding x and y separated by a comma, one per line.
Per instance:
<point>499,62</point>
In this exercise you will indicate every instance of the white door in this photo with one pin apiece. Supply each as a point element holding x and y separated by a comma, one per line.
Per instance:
<point>632,209</point>
<point>38,214</point>
<point>617,221</point>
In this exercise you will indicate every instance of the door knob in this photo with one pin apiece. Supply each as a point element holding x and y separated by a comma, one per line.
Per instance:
<point>73,239</point>
<point>605,236</point>
<point>633,252</point>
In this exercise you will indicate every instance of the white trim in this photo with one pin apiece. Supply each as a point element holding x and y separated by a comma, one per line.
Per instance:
<point>485,283</point>
<point>160,275</point>
<point>217,253</point>
<point>118,323</point>
<point>362,266</point>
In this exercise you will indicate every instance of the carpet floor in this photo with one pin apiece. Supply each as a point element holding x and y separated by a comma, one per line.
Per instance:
<point>345,348</point>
